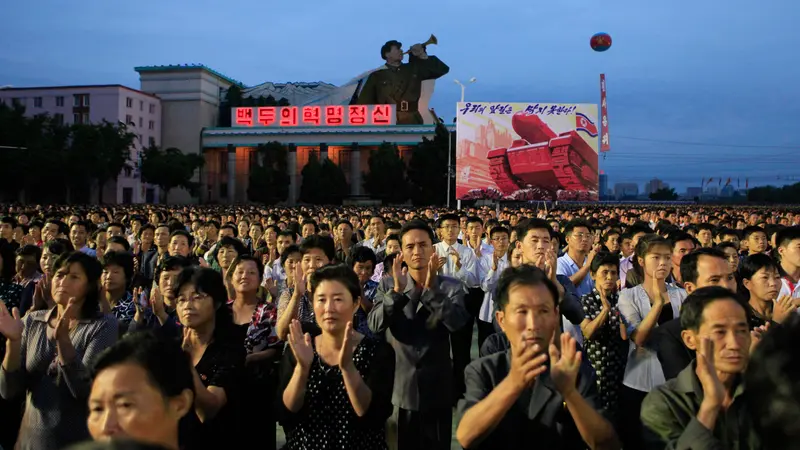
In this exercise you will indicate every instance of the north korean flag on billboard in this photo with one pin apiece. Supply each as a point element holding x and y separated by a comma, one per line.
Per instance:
<point>582,123</point>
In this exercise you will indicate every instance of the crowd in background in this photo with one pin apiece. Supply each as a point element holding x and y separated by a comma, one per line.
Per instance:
<point>598,327</point>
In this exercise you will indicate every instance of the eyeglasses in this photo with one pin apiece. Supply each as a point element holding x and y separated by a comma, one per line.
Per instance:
<point>500,239</point>
<point>193,298</point>
<point>581,236</point>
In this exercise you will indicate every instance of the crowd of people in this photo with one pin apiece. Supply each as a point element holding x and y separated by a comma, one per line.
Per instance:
<point>202,327</point>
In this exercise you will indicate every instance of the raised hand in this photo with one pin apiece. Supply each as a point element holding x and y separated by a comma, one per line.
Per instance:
<point>10,323</point>
<point>139,315</point>
<point>348,347</point>
<point>756,334</point>
<point>434,265</point>
<point>301,345</point>
<point>565,364</point>
<point>551,264</point>
<point>64,322</point>
<point>527,363</point>
<point>713,389</point>
<point>399,274</point>
<point>453,254</point>
<point>782,308</point>
<point>300,280</point>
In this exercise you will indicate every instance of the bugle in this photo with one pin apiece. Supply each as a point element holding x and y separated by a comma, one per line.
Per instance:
<point>431,41</point>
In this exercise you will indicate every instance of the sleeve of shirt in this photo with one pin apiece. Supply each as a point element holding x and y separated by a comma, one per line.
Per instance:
<point>76,372</point>
<point>283,302</point>
<point>628,311</point>
<point>446,307</point>
<point>477,389</point>
<point>562,267</point>
<point>489,281</point>
<point>387,307</point>
<point>663,429</point>
<point>12,384</point>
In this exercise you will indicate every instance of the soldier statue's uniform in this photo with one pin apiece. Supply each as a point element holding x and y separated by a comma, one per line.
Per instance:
<point>400,83</point>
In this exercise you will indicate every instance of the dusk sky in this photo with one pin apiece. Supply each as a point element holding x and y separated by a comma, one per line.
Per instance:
<point>696,89</point>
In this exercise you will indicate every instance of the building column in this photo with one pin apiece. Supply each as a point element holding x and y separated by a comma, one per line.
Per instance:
<point>323,152</point>
<point>355,169</point>
<point>291,166</point>
<point>231,174</point>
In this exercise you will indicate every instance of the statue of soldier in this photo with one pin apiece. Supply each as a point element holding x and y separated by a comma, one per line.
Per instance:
<point>400,83</point>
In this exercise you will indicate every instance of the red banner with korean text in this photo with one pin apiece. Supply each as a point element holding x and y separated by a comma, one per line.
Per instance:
<point>313,116</point>
<point>605,144</point>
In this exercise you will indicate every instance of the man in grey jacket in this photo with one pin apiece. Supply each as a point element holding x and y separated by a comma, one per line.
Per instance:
<point>417,309</point>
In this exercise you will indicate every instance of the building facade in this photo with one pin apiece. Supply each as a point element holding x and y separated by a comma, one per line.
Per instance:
<point>93,104</point>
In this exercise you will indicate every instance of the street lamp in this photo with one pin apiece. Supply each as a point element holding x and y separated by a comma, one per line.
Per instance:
<point>463,86</point>
<point>450,173</point>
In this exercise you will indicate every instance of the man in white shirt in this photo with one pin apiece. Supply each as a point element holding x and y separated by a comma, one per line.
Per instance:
<point>461,264</point>
<point>377,229</point>
<point>787,242</point>
<point>575,264</point>
<point>490,266</point>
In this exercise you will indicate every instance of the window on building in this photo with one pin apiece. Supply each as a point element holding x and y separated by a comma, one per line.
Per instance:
<point>141,139</point>
<point>85,118</point>
<point>128,102</point>
<point>141,122</point>
<point>37,102</point>
<point>151,125</point>
<point>76,118</point>
<point>151,141</point>
<point>128,171</point>
<point>152,108</point>
<point>85,99</point>
<point>58,118</point>
<point>16,101</point>
<point>129,120</point>
<point>76,100</point>
<point>141,105</point>
<point>59,101</point>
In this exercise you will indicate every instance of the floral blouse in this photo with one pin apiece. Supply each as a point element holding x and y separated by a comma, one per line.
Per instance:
<point>262,332</point>
<point>305,313</point>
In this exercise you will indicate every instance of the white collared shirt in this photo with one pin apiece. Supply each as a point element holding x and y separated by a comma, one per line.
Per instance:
<point>468,272</point>
<point>489,280</point>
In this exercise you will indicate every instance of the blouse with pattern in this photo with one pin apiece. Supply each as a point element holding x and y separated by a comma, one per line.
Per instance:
<point>305,312</point>
<point>262,330</point>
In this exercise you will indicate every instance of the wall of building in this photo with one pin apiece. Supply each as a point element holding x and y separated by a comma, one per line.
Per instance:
<point>190,99</point>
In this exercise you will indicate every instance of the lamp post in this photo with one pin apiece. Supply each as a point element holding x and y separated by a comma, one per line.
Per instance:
<point>450,141</point>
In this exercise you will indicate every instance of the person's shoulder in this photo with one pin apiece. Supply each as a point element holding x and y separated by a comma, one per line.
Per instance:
<point>496,364</point>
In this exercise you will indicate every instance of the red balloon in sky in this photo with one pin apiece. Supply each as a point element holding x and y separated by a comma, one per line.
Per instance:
<point>600,42</point>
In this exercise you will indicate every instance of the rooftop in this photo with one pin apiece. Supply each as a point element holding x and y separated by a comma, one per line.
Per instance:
<point>178,67</point>
<point>74,87</point>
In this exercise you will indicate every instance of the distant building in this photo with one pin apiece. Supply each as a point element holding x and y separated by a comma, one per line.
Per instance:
<point>654,185</point>
<point>93,104</point>
<point>727,191</point>
<point>712,191</point>
<point>693,192</point>
<point>624,191</point>
<point>603,186</point>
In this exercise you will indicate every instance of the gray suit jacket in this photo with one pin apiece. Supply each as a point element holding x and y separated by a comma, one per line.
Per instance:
<point>418,325</point>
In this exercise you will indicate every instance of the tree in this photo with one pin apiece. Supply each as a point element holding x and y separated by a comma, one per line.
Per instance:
<point>169,169</point>
<point>333,183</point>
<point>311,187</point>
<point>386,178</point>
<point>427,170</point>
<point>664,194</point>
<point>269,180</point>
<point>113,152</point>
<point>771,194</point>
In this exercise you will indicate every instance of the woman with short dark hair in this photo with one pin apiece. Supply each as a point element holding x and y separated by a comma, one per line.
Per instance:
<point>48,355</point>
<point>142,387</point>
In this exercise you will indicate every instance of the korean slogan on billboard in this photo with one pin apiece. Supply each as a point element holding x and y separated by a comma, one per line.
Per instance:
<point>527,151</point>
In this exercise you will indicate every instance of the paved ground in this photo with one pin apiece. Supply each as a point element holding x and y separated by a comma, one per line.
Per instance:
<point>454,445</point>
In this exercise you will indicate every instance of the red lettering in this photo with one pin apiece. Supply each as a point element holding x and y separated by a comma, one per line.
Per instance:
<point>311,115</point>
<point>357,115</point>
<point>380,115</point>
<point>289,116</point>
<point>334,116</point>
<point>266,115</point>
<point>244,116</point>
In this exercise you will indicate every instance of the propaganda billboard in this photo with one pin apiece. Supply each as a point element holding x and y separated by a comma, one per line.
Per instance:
<point>526,151</point>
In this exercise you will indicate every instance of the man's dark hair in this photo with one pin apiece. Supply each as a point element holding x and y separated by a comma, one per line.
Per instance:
<point>393,237</point>
<point>445,217</point>
<point>145,227</point>
<point>116,224</point>
<point>752,230</point>
<point>525,275</point>
<point>416,225</point>
<point>786,236</point>
<point>694,305</point>
<point>638,227</point>
<point>527,225</point>
<point>120,259</point>
<point>604,259</point>
<point>170,263</point>
<point>728,232</point>
<point>214,223</point>
<point>288,233</point>
<point>680,236</point>
<point>344,222</point>
<point>323,243</point>
<point>689,261</point>
<point>577,223</point>
<point>362,254</point>
<point>9,220</point>
<point>706,226</point>
<point>499,230</point>
<point>184,233</point>
<point>119,240</point>
<point>474,219</point>
<point>773,394</point>
<point>232,227</point>
<point>30,250</point>
<point>387,47</point>
<point>311,222</point>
